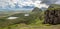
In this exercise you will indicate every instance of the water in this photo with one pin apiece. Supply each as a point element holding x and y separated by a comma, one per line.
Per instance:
<point>12,17</point>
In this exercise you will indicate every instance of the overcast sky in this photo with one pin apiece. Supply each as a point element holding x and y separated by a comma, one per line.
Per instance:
<point>25,4</point>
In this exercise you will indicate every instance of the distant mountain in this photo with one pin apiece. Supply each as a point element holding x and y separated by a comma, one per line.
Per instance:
<point>36,9</point>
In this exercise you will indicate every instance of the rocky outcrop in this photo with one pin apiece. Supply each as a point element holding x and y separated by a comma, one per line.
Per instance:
<point>52,15</point>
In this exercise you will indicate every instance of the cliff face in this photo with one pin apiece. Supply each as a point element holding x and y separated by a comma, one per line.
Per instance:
<point>52,15</point>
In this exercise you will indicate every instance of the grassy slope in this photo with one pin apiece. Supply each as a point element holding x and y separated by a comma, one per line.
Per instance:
<point>54,7</point>
<point>24,26</point>
<point>37,25</point>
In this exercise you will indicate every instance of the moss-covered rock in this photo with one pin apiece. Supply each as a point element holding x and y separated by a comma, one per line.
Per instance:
<point>52,15</point>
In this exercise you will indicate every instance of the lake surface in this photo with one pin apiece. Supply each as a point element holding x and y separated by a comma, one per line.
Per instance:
<point>12,17</point>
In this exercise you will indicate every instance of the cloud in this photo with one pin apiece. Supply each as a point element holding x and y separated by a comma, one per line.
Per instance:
<point>35,3</point>
<point>25,3</point>
<point>58,2</point>
<point>48,2</point>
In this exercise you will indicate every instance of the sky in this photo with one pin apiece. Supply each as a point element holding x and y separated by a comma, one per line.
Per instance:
<point>26,4</point>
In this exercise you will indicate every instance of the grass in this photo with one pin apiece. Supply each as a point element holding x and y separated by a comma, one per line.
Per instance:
<point>37,25</point>
<point>24,26</point>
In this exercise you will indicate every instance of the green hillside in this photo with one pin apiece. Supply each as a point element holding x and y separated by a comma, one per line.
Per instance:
<point>54,7</point>
<point>33,21</point>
